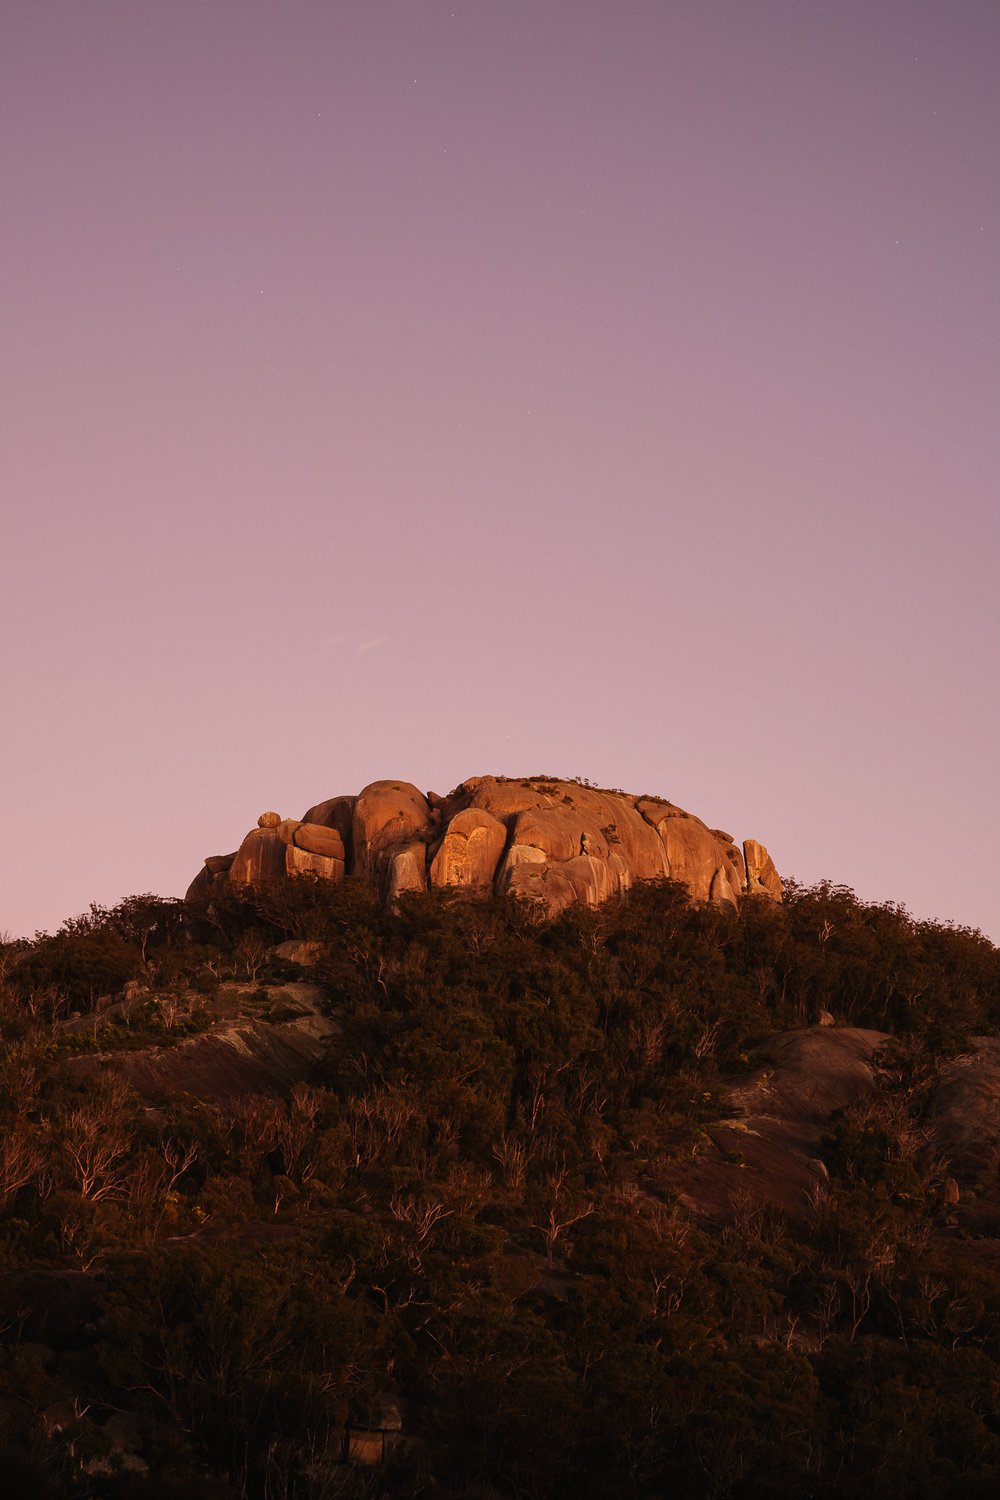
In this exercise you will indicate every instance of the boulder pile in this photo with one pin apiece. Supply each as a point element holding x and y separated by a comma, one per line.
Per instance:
<point>556,842</point>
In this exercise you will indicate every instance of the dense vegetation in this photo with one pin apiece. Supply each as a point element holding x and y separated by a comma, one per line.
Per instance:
<point>469,1212</point>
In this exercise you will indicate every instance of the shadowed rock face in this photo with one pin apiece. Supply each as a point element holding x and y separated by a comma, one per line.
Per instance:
<point>556,842</point>
<point>965,1115</point>
<point>767,1146</point>
<point>236,1058</point>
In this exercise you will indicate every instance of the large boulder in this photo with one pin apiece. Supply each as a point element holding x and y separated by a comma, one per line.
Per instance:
<point>316,839</point>
<point>761,876</point>
<point>389,819</point>
<point>404,869</point>
<point>523,873</point>
<point>259,859</point>
<point>304,862</point>
<point>335,812</point>
<point>219,864</point>
<point>470,850</point>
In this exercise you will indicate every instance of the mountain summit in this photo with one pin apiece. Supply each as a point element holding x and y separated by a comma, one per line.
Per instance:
<point>553,841</point>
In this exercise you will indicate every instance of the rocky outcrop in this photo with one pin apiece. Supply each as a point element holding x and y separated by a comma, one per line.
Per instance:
<point>965,1111</point>
<point>761,876</point>
<point>766,1145</point>
<point>557,842</point>
<point>275,848</point>
<point>239,1056</point>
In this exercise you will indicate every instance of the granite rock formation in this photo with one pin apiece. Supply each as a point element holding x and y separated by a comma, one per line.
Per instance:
<point>556,842</point>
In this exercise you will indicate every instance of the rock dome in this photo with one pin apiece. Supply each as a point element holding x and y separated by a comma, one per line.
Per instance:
<point>553,841</point>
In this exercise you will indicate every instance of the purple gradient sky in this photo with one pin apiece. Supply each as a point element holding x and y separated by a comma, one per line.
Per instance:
<point>421,390</point>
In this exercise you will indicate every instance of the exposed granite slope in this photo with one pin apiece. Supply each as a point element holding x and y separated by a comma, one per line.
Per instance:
<point>766,1148</point>
<point>240,1055</point>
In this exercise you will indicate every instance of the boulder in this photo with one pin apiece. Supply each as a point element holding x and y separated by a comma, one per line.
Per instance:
<point>774,1123</point>
<point>316,839</point>
<point>523,873</point>
<point>762,878</point>
<point>268,820</point>
<point>335,812</point>
<point>388,816</point>
<point>260,858</point>
<point>470,850</point>
<point>218,864</point>
<point>405,869</point>
<point>302,862</point>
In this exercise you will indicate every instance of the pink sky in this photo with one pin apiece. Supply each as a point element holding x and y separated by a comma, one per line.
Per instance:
<point>423,390</point>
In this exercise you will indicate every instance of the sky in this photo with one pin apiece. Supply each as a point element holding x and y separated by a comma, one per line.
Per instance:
<point>597,388</point>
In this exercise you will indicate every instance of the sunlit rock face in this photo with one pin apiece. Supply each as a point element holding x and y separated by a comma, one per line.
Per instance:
<point>762,878</point>
<point>469,850</point>
<point>390,836</point>
<point>555,842</point>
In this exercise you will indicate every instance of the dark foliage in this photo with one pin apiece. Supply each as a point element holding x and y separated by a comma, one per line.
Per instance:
<point>466,1211</point>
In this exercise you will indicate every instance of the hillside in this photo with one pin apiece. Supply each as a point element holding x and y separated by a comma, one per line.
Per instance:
<point>305,1193</point>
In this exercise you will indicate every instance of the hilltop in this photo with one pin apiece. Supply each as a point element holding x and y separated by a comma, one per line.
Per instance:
<point>555,842</point>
